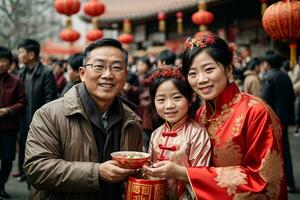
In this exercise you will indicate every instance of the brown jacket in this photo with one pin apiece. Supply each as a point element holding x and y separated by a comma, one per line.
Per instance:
<point>61,159</point>
<point>252,83</point>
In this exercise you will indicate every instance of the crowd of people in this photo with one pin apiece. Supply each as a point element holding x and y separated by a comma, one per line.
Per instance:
<point>214,120</point>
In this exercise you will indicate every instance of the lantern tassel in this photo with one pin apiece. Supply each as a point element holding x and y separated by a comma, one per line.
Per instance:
<point>179,26</point>
<point>95,22</point>
<point>293,53</point>
<point>162,25</point>
<point>69,22</point>
<point>263,8</point>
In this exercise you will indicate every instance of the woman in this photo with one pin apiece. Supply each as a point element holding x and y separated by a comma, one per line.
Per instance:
<point>245,133</point>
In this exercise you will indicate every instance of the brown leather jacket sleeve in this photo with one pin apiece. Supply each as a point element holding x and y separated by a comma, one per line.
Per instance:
<point>44,166</point>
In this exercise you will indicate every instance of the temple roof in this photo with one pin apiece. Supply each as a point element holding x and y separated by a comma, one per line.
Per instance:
<point>117,10</point>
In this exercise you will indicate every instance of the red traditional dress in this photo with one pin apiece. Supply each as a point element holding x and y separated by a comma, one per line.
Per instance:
<point>185,143</point>
<point>247,156</point>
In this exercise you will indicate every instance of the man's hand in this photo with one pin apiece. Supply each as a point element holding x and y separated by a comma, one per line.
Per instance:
<point>3,112</point>
<point>167,169</point>
<point>110,172</point>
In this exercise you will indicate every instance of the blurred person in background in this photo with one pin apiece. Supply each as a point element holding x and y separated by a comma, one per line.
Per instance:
<point>277,91</point>
<point>166,57</point>
<point>143,66</point>
<point>14,67</point>
<point>12,102</point>
<point>58,70</point>
<point>74,63</point>
<point>40,88</point>
<point>252,83</point>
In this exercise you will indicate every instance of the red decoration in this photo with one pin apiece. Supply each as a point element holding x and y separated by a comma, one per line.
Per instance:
<point>94,8</point>
<point>126,38</point>
<point>161,16</point>
<point>281,20</point>
<point>67,7</point>
<point>94,35</point>
<point>202,17</point>
<point>179,14</point>
<point>69,35</point>
<point>202,33</point>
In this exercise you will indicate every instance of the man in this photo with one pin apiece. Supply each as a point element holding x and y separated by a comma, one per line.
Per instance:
<point>12,102</point>
<point>74,63</point>
<point>70,139</point>
<point>278,92</point>
<point>40,88</point>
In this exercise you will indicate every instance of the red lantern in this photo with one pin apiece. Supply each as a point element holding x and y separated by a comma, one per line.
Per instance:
<point>202,17</point>
<point>161,16</point>
<point>126,38</point>
<point>94,35</point>
<point>67,7</point>
<point>94,8</point>
<point>281,20</point>
<point>69,35</point>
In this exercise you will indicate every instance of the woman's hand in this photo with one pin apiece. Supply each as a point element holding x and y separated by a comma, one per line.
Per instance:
<point>167,169</point>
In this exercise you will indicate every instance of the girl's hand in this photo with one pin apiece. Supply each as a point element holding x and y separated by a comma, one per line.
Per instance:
<point>167,169</point>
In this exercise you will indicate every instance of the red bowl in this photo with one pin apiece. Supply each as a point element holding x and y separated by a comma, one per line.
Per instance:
<point>130,159</point>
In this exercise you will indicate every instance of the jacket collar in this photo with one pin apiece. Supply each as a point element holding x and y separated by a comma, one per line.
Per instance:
<point>225,97</point>
<point>37,70</point>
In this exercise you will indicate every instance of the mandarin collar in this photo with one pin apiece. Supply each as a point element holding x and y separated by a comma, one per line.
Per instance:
<point>177,125</point>
<point>224,98</point>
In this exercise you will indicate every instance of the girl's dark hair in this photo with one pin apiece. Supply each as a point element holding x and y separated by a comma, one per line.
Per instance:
<point>181,84</point>
<point>216,47</point>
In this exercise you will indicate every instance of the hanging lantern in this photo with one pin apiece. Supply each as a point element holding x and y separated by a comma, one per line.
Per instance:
<point>281,20</point>
<point>67,7</point>
<point>202,17</point>
<point>264,6</point>
<point>126,38</point>
<point>179,16</point>
<point>94,35</point>
<point>162,21</point>
<point>94,8</point>
<point>69,35</point>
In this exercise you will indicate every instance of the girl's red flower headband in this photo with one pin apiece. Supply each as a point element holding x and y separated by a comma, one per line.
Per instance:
<point>165,72</point>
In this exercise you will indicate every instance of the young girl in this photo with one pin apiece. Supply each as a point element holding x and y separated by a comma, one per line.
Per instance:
<point>180,139</point>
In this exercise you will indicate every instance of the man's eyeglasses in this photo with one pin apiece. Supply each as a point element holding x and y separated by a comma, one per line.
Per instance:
<point>116,68</point>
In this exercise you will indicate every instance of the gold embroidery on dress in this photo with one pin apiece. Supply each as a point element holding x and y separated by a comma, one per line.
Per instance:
<point>272,172</point>
<point>252,102</point>
<point>237,125</point>
<point>230,178</point>
<point>227,154</point>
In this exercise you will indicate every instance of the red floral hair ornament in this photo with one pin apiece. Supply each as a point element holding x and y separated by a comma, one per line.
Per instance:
<point>200,41</point>
<point>165,72</point>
